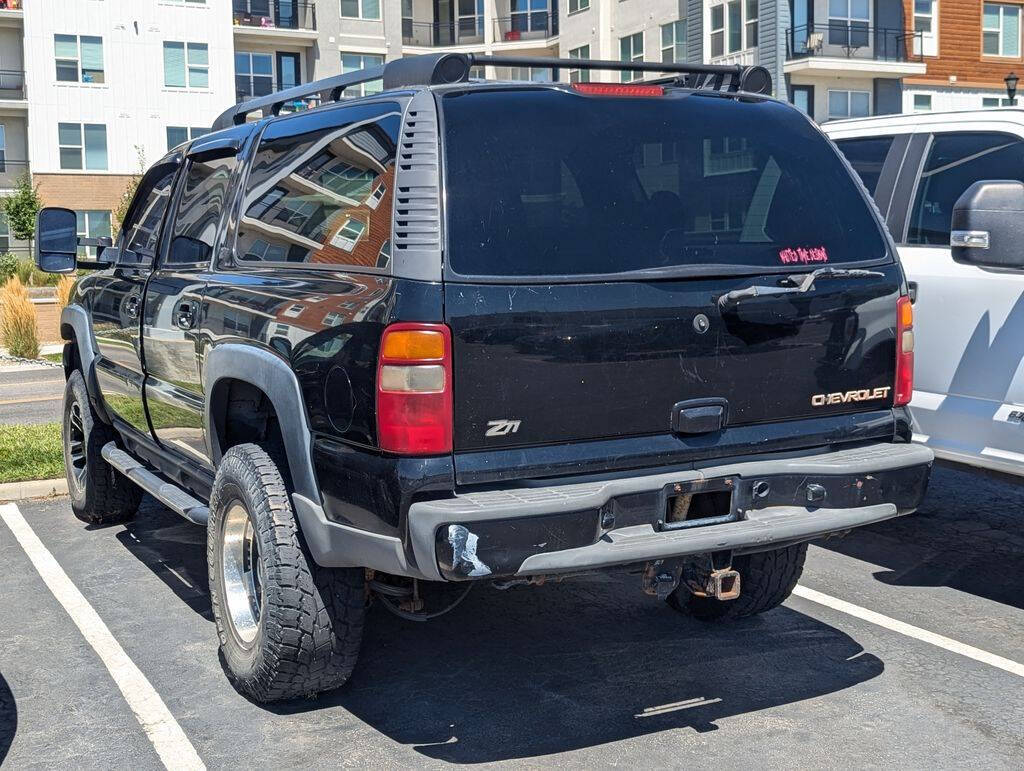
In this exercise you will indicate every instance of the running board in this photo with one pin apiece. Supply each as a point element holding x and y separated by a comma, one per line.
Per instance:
<point>168,494</point>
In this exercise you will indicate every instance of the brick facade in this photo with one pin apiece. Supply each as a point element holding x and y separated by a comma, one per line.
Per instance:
<point>81,192</point>
<point>960,49</point>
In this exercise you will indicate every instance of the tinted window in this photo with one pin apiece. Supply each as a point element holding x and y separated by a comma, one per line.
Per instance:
<point>954,163</point>
<point>142,228</point>
<point>321,189</point>
<point>867,157</point>
<point>199,210</point>
<point>544,182</point>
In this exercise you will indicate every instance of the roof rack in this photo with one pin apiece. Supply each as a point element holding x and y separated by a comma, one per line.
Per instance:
<point>443,68</point>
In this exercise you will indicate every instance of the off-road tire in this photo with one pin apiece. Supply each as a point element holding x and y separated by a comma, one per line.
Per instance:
<point>766,579</point>
<point>310,618</point>
<point>100,494</point>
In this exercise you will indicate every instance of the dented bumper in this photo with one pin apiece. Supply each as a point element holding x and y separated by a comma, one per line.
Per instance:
<point>547,529</point>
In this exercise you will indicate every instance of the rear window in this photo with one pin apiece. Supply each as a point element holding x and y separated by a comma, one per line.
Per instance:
<point>546,183</point>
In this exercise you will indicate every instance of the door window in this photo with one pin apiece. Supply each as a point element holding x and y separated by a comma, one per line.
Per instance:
<point>321,192</point>
<point>141,229</point>
<point>867,157</point>
<point>198,216</point>
<point>955,162</point>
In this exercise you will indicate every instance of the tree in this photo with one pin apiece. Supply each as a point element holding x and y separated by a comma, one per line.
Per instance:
<point>21,208</point>
<point>129,194</point>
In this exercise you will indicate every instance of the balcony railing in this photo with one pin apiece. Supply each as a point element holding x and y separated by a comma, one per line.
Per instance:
<point>853,40</point>
<point>12,84</point>
<point>275,14</point>
<point>467,30</point>
<point>12,5</point>
<point>527,25</point>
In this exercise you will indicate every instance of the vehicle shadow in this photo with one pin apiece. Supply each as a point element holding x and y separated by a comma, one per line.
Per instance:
<point>8,718</point>
<point>968,535</point>
<point>538,670</point>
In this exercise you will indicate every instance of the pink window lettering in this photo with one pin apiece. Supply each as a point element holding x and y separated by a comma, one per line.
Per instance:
<point>803,255</point>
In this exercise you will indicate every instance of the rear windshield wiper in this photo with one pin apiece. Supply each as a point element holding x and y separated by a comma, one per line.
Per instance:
<point>799,283</point>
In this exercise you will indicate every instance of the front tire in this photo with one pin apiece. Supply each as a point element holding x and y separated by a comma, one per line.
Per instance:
<point>100,494</point>
<point>287,627</point>
<point>766,579</point>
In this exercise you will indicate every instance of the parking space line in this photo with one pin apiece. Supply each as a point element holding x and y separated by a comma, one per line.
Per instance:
<point>167,737</point>
<point>909,630</point>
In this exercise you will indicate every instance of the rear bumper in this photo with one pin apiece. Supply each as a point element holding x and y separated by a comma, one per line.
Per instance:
<point>532,530</point>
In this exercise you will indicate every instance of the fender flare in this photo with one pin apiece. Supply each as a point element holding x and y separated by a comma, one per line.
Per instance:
<point>77,317</point>
<point>272,375</point>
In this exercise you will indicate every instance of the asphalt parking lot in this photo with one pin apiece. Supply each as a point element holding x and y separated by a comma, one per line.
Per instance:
<point>586,674</point>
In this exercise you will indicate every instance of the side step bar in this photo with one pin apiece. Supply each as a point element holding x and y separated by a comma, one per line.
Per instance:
<point>168,494</point>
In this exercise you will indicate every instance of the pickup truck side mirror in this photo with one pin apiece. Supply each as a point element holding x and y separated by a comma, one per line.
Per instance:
<point>988,225</point>
<point>56,240</point>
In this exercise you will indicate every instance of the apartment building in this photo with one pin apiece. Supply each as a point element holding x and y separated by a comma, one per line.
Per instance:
<point>970,46</point>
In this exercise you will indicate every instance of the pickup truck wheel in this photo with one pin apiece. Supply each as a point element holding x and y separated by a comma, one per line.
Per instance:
<point>287,627</point>
<point>99,493</point>
<point>766,580</point>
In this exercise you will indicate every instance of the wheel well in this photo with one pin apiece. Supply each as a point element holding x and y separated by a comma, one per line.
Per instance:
<point>71,360</point>
<point>240,413</point>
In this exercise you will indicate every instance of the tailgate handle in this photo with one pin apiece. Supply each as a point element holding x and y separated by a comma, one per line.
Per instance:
<point>699,416</point>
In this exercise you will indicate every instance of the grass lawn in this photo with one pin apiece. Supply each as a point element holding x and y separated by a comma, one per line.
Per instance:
<point>57,357</point>
<point>30,452</point>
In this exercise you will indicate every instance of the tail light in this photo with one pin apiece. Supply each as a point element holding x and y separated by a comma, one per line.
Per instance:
<point>414,389</point>
<point>904,389</point>
<point>614,89</point>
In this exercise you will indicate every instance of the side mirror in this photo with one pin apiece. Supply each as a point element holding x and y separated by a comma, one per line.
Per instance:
<point>56,240</point>
<point>988,225</point>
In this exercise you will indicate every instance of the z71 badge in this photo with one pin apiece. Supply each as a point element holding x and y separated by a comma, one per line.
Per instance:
<point>844,397</point>
<point>502,427</point>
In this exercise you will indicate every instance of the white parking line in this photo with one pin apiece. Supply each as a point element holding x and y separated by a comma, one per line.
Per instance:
<point>169,741</point>
<point>908,630</point>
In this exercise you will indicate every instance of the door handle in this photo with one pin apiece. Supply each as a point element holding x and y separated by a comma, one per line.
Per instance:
<point>132,305</point>
<point>185,315</point>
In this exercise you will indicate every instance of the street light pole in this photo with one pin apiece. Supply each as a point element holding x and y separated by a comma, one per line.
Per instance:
<point>1011,86</point>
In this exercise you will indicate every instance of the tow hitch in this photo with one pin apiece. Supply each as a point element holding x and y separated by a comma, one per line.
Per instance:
<point>703,575</point>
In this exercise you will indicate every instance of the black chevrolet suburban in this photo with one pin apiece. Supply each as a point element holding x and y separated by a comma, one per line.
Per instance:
<point>459,330</point>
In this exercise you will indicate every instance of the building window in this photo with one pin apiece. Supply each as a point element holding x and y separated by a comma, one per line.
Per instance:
<point>1000,30</point>
<point>355,62</point>
<point>177,135</point>
<point>254,74</point>
<point>384,255</point>
<point>348,234</point>
<point>717,30</point>
<point>996,101</point>
<point>3,147</point>
<point>186,65</point>
<point>360,9</point>
<point>734,14</point>
<point>531,74</point>
<point>673,42</point>
<point>82,146</point>
<point>751,24</point>
<point>926,24</point>
<point>5,234</point>
<point>848,104</point>
<point>579,76</point>
<point>922,102</point>
<point>79,59</point>
<point>802,97</point>
<point>92,224</point>
<point>631,49</point>
<point>848,22</point>
<point>578,5</point>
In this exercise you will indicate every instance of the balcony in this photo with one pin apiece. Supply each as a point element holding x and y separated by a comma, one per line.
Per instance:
<point>468,30</point>
<point>12,13</point>
<point>274,18</point>
<point>12,86</point>
<point>247,88</point>
<point>853,48</point>
<point>525,26</point>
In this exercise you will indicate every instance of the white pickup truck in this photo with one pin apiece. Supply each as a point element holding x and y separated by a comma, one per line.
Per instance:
<point>968,402</point>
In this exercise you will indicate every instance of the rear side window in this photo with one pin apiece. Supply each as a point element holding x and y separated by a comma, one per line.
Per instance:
<point>142,229</point>
<point>320,190</point>
<point>955,162</point>
<point>867,156</point>
<point>545,182</point>
<point>200,207</point>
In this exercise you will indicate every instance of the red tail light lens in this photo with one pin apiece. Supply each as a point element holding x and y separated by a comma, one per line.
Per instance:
<point>414,389</point>
<point>904,389</point>
<point>614,89</point>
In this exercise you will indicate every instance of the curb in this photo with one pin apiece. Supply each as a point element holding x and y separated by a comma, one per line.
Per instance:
<point>36,488</point>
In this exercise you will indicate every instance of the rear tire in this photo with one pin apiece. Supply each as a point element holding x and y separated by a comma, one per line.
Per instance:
<point>100,494</point>
<point>287,627</point>
<point>766,580</point>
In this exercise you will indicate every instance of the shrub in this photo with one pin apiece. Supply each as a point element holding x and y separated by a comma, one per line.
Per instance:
<point>24,271</point>
<point>18,320</point>
<point>8,266</point>
<point>65,285</point>
<point>21,208</point>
